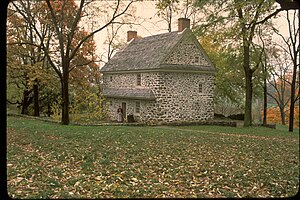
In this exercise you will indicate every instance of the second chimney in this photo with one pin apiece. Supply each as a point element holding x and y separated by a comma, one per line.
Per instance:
<point>183,23</point>
<point>131,34</point>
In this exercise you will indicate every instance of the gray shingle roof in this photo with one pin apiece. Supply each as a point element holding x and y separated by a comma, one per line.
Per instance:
<point>147,53</point>
<point>128,93</point>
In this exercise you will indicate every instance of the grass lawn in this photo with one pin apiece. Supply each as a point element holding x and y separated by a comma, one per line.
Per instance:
<point>48,160</point>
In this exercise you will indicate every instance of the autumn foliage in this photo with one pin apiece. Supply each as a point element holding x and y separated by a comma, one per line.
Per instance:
<point>273,116</point>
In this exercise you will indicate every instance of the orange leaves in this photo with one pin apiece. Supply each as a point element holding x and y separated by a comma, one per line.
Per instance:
<point>67,6</point>
<point>274,116</point>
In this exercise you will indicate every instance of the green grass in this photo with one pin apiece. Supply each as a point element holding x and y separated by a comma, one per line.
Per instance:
<point>284,128</point>
<point>48,160</point>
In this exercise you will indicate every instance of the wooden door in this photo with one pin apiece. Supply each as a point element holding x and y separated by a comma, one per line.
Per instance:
<point>124,110</point>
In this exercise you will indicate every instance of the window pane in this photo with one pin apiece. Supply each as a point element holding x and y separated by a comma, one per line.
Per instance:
<point>138,79</point>
<point>137,107</point>
<point>200,87</point>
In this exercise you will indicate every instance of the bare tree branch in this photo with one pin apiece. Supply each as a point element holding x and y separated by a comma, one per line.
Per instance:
<point>115,15</point>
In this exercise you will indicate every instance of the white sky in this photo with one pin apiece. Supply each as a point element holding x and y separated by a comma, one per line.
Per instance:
<point>153,25</point>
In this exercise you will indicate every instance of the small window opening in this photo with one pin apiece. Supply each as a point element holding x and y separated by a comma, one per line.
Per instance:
<point>196,59</point>
<point>200,87</point>
<point>137,107</point>
<point>138,79</point>
<point>110,78</point>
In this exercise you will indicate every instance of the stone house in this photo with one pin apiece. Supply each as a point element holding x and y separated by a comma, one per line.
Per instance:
<point>161,78</point>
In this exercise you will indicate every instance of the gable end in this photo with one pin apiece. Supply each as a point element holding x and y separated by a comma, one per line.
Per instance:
<point>188,51</point>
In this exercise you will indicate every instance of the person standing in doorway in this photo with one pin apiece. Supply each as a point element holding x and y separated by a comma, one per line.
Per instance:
<point>120,114</point>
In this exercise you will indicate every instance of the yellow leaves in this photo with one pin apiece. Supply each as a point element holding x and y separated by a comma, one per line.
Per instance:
<point>87,106</point>
<point>19,179</point>
<point>98,178</point>
<point>134,181</point>
<point>32,72</point>
<point>76,184</point>
<point>38,72</point>
<point>120,179</point>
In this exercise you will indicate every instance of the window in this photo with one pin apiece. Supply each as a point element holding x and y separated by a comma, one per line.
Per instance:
<point>200,87</point>
<point>196,59</point>
<point>110,78</point>
<point>137,107</point>
<point>138,79</point>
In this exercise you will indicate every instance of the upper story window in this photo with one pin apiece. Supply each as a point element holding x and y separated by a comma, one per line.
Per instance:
<point>110,78</point>
<point>201,88</point>
<point>138,79</point>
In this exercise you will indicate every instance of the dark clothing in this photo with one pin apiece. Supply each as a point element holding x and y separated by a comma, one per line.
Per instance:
<point>120,110</point>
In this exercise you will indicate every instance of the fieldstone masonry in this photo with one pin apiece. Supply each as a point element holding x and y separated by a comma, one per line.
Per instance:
<point>173,68</point>
<point>187,53</point>
<point>177,96</point>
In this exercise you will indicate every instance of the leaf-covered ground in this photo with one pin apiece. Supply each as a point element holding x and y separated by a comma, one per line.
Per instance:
<point>47,160</point>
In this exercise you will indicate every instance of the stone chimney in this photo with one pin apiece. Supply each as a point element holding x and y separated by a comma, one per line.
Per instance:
<point>183,23</point>
<point>131,34</point>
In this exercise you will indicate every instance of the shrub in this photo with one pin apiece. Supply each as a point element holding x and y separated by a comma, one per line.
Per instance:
<point>237,116</point>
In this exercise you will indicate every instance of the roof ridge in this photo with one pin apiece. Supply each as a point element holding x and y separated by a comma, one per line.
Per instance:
<point>173,32</point>
<point>148,52</point>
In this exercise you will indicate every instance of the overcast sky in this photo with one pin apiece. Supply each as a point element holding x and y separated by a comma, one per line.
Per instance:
<point>152,25</point>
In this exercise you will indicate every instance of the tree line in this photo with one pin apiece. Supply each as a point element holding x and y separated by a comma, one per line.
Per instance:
<point>238,37</point>
<point>48,43</point>
<point>51,53</point>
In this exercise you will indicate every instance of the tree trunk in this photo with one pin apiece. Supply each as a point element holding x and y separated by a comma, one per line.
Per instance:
<point>36,98</point>
<point>26,101</point>
<point>292,104</point>
<point>265,98</point>
<point>65,96</point>
<point>282,114</point>
<point>293,86</point>
<point>248,102</point>
<point>249,86</point>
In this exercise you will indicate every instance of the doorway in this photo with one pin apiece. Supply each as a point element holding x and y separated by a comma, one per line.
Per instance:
<point>124,110</point>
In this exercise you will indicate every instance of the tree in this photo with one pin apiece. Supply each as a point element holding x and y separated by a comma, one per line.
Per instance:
<point>25,58</point>
<point>279,81</point>
<point>261,51</point>
<point>166,10</point>
<point>64,17</point>
<point>292,44</point>
<point>229,83</point>
<point>242,19</point>
<point>248,26</point>
<point>113,41</point>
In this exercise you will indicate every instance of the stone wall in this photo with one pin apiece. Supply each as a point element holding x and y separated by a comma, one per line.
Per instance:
<point>177,96</point>
<point>127,80</point>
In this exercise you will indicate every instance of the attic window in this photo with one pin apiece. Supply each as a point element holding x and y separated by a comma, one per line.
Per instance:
<point>138,79</point>
<point>196,59</point>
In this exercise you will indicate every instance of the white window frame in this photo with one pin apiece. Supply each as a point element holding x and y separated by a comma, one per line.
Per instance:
<point>137,107</point>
